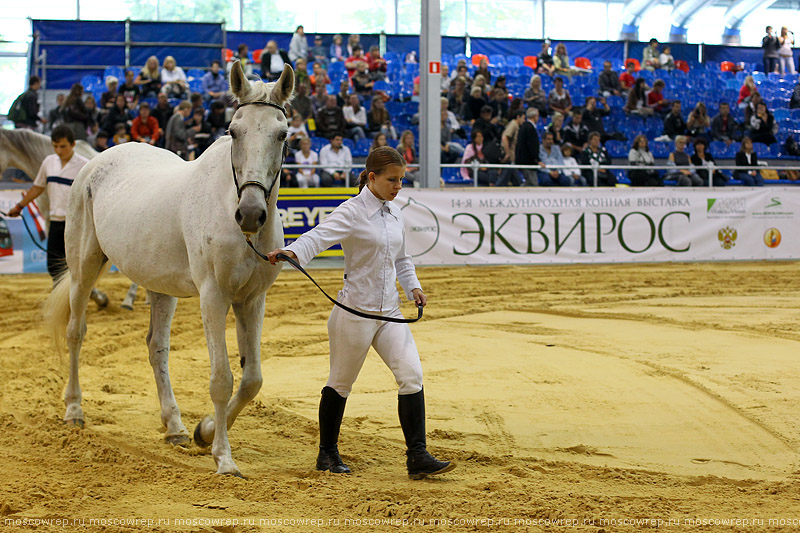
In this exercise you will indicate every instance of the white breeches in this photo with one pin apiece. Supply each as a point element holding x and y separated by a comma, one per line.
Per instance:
<point>350,338</point>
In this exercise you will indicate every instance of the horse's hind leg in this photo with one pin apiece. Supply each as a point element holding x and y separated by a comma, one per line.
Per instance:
<point>162,309</point>
<point>127,303</point>
<point>249,321</point>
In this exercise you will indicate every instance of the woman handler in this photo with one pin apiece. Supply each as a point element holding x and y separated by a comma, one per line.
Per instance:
<point>370,230</point>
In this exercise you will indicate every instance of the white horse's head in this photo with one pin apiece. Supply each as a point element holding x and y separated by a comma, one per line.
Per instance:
<point>258,131</point>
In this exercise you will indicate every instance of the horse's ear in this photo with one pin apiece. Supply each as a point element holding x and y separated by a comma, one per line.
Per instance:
<point>284,87</point>
<point>240,87</point>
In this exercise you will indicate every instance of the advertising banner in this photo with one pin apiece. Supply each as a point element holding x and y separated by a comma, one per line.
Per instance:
<point>532,225</point>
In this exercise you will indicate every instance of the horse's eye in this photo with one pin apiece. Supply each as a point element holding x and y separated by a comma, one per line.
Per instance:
<point>232,133</point>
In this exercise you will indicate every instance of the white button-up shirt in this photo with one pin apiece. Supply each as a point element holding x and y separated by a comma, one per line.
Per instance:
<point>335,161</point>
<point>373,239</point>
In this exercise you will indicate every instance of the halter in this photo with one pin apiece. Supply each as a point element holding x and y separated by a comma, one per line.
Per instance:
<point>267,191</point>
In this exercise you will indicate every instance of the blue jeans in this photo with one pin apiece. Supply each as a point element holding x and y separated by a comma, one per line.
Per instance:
<point>748,180</point>
<point>546,180</point>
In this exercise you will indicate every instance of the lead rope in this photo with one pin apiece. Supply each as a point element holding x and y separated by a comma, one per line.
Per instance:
<point>337,303</point>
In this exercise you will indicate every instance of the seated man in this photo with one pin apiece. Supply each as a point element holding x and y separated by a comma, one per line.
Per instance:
<point>272,61</point>
<point>593,116</point>
<point>214,83</point>
<point>576,133</point>
<point>656,100</point>
<point>145,127</point>
<point>330,119</point>
<point>243,55</point>
<point>338,161</point>
<point>609,81</point>
<point>674,125</point>
<point>723,126</point>
<point>626,79</point>
<point>355,118</point>
<point>377,65</point>
<point>550,154</point>
<point>596,155</point>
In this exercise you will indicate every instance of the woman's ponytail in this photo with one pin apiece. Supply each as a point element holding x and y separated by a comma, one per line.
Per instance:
<point>363,179</point>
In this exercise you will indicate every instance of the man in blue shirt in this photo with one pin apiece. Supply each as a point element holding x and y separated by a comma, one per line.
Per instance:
<point>214,83</point>
<point>550,155</point>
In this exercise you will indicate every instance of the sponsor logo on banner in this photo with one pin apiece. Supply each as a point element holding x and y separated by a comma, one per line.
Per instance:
<point>727,237</point>
<point>772,238</point>
<point>726,208</point>
<point>423,224</point>
<point>773,208</point>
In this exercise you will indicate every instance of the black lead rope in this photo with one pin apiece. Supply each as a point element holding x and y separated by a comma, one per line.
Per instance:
<point>356,312</point>
<point>25,222</point>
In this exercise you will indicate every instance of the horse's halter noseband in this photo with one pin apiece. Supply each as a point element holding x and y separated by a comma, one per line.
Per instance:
<point>267,191</point>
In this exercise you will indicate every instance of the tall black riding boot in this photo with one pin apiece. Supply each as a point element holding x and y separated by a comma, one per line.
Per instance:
<point>331,411</point>
<point>411,408</point>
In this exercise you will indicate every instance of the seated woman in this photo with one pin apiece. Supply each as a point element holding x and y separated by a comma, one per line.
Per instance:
<point>544,63</point>
<point>406,149</point>
<point>174,79</point>
<point>556,127</point>
<point>149,78</point>
<point>535,96</point>
<point>637,99</point>
<point>474,152</point>
<point>483,70</point>
<point>561,61</point>
<point>762,125</point>
<point>686,177</point>
<point>699,122</point>
<point>379,120</point>
<point>640,155</point>
<point>666,60</point>
<point>746,157</point>
<point>704,162</point>
<point>746,92</point>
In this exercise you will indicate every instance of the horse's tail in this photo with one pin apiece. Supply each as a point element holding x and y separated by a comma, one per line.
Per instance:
<point>56,312</point>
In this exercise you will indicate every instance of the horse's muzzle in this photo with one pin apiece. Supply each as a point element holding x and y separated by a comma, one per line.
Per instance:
<point>252,212</point>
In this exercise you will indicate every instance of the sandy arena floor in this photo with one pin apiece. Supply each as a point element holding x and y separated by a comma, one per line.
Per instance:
<point>584,393</point>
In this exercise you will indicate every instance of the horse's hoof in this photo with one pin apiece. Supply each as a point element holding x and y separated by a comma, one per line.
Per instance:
<point>100,298</point>
<point>179,440</point>
<point>233,474</point>
<point>127,305</point>
<point>198,438</point>
<point>75,422</point>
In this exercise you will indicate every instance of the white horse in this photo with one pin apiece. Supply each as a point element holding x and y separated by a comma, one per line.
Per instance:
<point>178,228</point>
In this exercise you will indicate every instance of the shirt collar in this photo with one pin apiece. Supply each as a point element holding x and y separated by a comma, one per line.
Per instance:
<point>373,204</point>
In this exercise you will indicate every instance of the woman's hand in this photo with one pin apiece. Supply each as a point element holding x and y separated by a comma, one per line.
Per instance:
<point>419,297</point>
<point>273,255</point>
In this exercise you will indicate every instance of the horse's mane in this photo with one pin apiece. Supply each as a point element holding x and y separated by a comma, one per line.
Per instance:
<point>29,143</point>
<point>261,92</point>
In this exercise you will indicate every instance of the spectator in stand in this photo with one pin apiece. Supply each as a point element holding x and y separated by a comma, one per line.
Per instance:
<point>641,156</point>
<point>162,113</point>
<point>272,61</point>
<point>650,56</point>
<point>174,79</point>
<point>319,55</point>
<point>763,126</point>
<point>216,118</point>
<point>656,100</point>
<point>196,99</point>
<point>378,119</point>
<point>320,97</point>
<point>626,79</point>
<point>515,105</point>
<point>337,161</point>
<point>343,96</point>
<point>92,111</point>
<point>458,98</point>
<point>243,55</point>
<point>609,81</point>
<point>444,86</point>
<point>544,63</point>
<point>301,103</point>
<point>379,140</point>
<point>746,92</point>
<point>214,83</point>
<point>351,63</point>
<point>550,155</point>
<point>746,157</point>
<point>499,105</point>
<point>480,81</point>
<point>686,177</point>
<point>297,132</point>
<point>353,41</point>
<point>337,51</point>
<point>594,155</point>
<point>509,143</point>
<point>704,163</point>
<point>376,64</point>
<point>298,47</point>
<point>561,62</point>
<point>149,78</point>
<point>362,84</point>
<point>785,54</point>
<point>535,96</point>
<point>108,98</point>
<point>593,116</point>
<point>666,60</point>
<point>29,106</point>
<point>406,149</point>
<point>474,152</point>
<point>674,125</point>
<point>306,176</point>
<point>120,135</point>
<point>100,143</point>
<point>145,127</point>
<point>556,128</point>
<point>130,90</point>
<point>355,117</point>
<point>176,134</point>
<point>794,101</point>
<point>475,102</point>
<point>750,109</point>
<point>770,46</point>
<point>698,124</point>
<point>527,151</point>
<point>449,151</point>
<point>330,120</point>
<point>501,83</point>
<point>56,115</point>
<point>301,72</point>
<point>483,70</point>
<point>572,171</point>
<point>723,126</point>
<point>76,116</point>
<point>318,74</point>
<point>490,126</point>
<point>463,73</point>
<point>576,133</point>
<point>559,99</point>
<point>118,114</point>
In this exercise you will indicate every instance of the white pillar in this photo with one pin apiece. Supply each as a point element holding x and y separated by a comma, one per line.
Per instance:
<point>430,73</point>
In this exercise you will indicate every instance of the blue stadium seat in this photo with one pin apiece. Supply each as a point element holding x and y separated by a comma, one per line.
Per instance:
<point>350,144</point>
<point>782,115</point>
<point>317,143</point>
<point>117,72</point>
<point>452,176</point>
<point>336,69</point>
<point>616,149</point>
<point>91,82</point>
<point>514,61</point>
<point>392,56</point>
<point>660,149</point>
<point>622,177</point>
<point>761,150</point>
<point>195,73</point>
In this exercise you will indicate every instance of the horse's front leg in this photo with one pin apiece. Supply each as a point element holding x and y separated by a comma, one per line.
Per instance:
<point>214,307</point>
<point>161,312</point>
